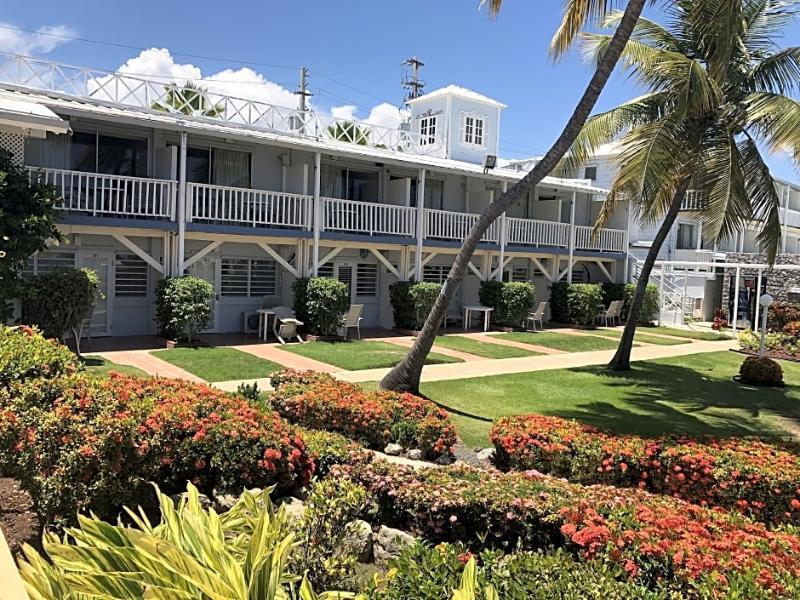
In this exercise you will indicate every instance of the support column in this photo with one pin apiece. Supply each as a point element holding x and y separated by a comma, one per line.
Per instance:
<point>660,293</point>
<point>735,301</point>
<point>556,268</point>
<point>503,235</point>
<point>571,235</point>
<point>627,244</point>
<point>404,255</point>
<point>420,224</point>
<point>317,213</point>
<point>181,250</point>
<point>786,193</point>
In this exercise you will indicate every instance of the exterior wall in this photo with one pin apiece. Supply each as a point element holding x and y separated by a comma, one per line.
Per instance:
<point>457,149</point>
<point>779,284</point>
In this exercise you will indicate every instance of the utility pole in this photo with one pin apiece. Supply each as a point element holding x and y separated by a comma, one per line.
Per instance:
<point>302,93</point>
<point>411,81</point>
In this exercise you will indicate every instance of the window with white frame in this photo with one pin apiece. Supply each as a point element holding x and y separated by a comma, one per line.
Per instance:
<point>472,127</point>
<point>249,277</point>
<point>131,276</point>
<point>367,279</point>
<point>435,273</point>
<point>428,129</point>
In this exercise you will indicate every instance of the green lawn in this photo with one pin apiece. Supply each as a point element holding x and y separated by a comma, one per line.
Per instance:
<point>691,394</point>
<point>359,354</point>
<point>478,348</point>
<point>641,336</point>
<point>561,341</point>
<point>706,336</point>
<point>99,366</point>
<point>218,364</point>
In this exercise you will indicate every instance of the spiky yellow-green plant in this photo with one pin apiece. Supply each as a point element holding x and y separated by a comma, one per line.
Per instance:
<point>469,589</point>
<point>718,88</point>
<point>192,553</point>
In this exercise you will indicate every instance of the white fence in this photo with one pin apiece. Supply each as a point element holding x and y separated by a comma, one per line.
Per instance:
<point>455,226</point>
<point>530,232</point>
<point>606,240</point>
<point>110,195</point>
<point>241,206</point>
<point>368,218</point>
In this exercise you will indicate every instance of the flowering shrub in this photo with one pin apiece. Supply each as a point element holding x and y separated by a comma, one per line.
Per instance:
<point>374,418</point>
<point>757,478</point>
<point>26,354</point>
<point>327,449</point>
<point>782,313</point>
<point>96,443</point>
<point>761,371</point>
<point>654,539</point>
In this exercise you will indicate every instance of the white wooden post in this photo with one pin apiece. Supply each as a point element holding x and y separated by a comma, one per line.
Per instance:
<point>571,235</point>
<point>317,213</point>
<point>787,191</point>
<point>503,236</point>
<point>181,251</point>
<point>736,301</point>
<point>685,284</point>
<point>660,293</point>
<point>420,224</point>
<point>627,244</point>
<point>758,304</point>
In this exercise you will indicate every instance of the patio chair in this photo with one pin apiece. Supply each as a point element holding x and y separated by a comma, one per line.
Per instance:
<point>538,315</point>
<point>285,324</point>
<point>609,315</point>
<point>454,315</point>
<point>352,320</point>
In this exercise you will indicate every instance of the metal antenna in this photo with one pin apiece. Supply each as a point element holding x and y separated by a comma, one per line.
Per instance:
<point>411,81</point>
<point>302,93</point>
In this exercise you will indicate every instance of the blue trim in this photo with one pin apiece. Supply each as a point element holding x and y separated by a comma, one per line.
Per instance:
<point>143,223</point>
<point>399,240</point>
<point>245,230</point>
<point>565,252</point>
<point>448,244</point>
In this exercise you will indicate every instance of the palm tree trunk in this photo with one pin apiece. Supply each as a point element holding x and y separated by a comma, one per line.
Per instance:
<point>406,375</point>
<point>622,357</point>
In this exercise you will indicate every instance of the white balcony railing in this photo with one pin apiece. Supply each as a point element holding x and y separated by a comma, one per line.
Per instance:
<point>98,194</point>
<point>370,218</point>
<point>455,226</point>
<point>606,240</point>
<point>530,232</point>
<point>254,208</point>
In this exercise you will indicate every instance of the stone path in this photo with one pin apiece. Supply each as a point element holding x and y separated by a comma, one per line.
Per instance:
<point>150,364</point>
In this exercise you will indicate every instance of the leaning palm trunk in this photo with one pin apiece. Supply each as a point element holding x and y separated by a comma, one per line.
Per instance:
<point>406,375</point>
<point>622,358</point>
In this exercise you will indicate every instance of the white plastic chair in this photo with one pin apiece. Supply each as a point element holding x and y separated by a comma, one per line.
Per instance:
<point>285,324</point>
<point>612,313</point>
<point>538,315</point>
<point>352,320</point>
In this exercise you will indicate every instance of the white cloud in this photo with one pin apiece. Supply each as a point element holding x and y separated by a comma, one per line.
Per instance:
<point>45,40</point>
<point>348,112</point>
<point>381,115</point>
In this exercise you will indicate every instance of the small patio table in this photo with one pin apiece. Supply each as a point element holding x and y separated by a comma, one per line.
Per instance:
<point>263,321</point>
<point>468,310</point>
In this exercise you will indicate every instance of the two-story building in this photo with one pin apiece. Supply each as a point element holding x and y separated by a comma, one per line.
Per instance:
<point>155,182</point>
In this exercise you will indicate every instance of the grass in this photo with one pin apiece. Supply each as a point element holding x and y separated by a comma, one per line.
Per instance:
<point>100,367</point>
<point>218,364</point>
<point>561,341</point>
<point>478,348</point>
<point>706,336</point>
<point>641,336</point>
<point>362,354</point>
<point>684,395</point>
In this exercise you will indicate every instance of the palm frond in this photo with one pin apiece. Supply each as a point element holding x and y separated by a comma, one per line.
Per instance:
<point>577,15</point>
<point>776,119</point>
<point>493,6</point>
<point>764,198</point>
<point>648,32</point>
<point>778,73</point>
<point>764,20</point>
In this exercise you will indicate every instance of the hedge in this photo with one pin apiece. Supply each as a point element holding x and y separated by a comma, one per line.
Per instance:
<point>759,479</point>
<point>412,301</point>
<point>97,442</point>
<point>782,313</point>
<point>374,418</point>
<point>59,300</point>
<point>684,547</point>
<point>183,306</point>
<point>326,302</point>
<point>25,354</point>
<point>512,301</point>
<point>575,303</point>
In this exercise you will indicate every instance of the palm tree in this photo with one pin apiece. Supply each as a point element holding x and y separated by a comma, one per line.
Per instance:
<point>190,100</point>
<point>717,90</point>
<point>350,132</point>
<point>406,375</point>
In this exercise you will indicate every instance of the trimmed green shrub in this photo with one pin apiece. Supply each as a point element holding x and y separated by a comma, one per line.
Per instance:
<point>327,449</point>
<point>423,295</point>
<point>183,307</point>
<point>327,300</point>
<point>58,300</point>
<point>582,302</point>
<point>650,302</point>
<point>25,354</point>
<point>402,305</point>
<point>511,301</point>
<point>761,371</point>
<point>558,302</point>
<point>613,291</point>
<point>490,293</point>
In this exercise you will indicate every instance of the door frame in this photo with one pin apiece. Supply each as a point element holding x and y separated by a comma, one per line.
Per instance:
<point>109,256</point>
<point>217,283</point>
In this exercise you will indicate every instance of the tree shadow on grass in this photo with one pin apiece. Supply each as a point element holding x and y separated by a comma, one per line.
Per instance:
<point>665,398</point>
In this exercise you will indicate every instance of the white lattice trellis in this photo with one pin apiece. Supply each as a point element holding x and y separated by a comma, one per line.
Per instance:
<point>14,143</point>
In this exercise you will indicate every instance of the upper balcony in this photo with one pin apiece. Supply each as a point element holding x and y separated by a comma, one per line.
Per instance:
<point>197,103</point>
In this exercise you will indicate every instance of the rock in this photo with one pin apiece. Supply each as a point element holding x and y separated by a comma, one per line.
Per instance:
<point>295,509</point>
<point>486,455</point>
<point>444,459</point>
<point>389,543</point>
<point>393,449</point>
<point>224,502</point>
<point>360,540</point>
<point>414,454</point>
<point>205,501</point>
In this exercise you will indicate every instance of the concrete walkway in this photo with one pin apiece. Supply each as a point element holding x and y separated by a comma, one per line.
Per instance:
<point>540,363</point>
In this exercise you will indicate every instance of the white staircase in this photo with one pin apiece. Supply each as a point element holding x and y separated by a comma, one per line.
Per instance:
<point>675,305</point>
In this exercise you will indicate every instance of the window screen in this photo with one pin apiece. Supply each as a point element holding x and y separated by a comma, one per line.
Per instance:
<point>366,279</point>
<point>131,276</point>
<point>246,277</point>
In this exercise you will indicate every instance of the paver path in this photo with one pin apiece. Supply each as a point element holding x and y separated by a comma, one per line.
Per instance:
<point>495,338</point>
<point>152,365</point>
<point>407,342</point>
<point>540,363</point>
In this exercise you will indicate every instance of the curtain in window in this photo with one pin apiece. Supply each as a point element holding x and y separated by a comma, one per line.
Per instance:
<point>51,152</point>
<point>230,168</point>
<point>332,180</point>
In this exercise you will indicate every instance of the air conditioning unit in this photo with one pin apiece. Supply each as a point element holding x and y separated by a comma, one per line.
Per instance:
<point>249,322</point>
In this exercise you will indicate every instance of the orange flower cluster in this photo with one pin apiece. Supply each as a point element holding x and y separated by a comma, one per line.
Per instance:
<point>374,418</point>
<point>760,479</point>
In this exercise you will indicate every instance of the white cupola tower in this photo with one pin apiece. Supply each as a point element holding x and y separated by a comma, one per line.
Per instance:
<point>457,123</point>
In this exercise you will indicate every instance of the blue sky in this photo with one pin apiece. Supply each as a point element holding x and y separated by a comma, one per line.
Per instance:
<point>352,47</point>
